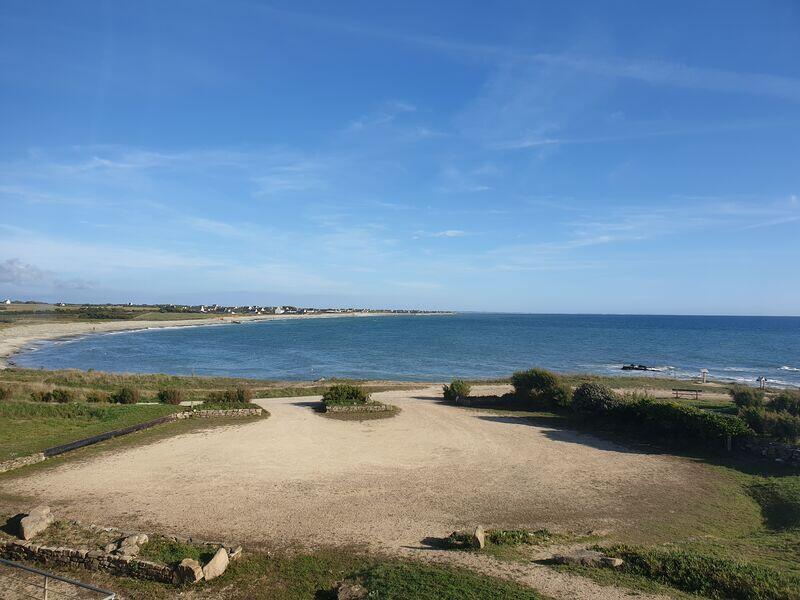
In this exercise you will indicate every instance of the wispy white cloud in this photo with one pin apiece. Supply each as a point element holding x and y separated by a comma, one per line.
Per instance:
<point>450,233</point>
<point>384,115</point>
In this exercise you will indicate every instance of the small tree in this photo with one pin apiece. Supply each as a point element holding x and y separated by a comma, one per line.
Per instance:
<point>786,401</point>
<point>458,389</point>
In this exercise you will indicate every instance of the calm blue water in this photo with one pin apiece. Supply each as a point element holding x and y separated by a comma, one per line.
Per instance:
<point>441,347</point>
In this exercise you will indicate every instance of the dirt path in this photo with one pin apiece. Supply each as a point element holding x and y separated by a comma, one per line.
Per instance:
<point>298,477</point>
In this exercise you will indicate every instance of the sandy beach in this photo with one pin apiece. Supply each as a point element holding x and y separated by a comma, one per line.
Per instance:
<point>19,337</point>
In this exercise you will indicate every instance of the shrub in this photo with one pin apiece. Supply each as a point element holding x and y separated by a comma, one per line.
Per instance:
<point>96,396</point>
<point>170,396</point>
<point>457,389</point>
<point>786,401</point>
<point>782,426</point>
<point>543,388</point>
<point>345,394</point>
<point>671,420</point>
<point>240,395</point>
<point>58,395</point>
<point>126,395</point>
<point>708,576</point>
<point>743,395</point>
<point>5,393</point>
<point>594,397</point>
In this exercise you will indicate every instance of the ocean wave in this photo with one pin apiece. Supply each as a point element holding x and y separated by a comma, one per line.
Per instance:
<point>787,368</point>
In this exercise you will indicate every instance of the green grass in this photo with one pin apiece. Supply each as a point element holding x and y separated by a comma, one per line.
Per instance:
<point>170,552</point>
<point>306,576</point>
<point>708,575</point>
<point>780,501</point>
<point>26,427</point>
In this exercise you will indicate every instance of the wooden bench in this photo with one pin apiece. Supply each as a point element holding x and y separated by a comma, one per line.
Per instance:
<point>677,393</point>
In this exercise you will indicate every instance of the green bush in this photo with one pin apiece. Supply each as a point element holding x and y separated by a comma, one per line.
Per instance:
<point>58,395</point>
<point>786,401</point>
<point>671,421</point>
<point>594,397</point>
<point>5,393</point>
<point>170,396</point>
<point>457,389</point>
<point>345,394</point>
<point>240,395</point>
<point>782,426</point>
<point>517,537</point>
<point>708,576</point>
<point>541,388</point>
<point>126,395</point>
<point>743,395</point>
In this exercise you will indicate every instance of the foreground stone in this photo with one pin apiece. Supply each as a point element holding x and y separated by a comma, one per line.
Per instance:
<point>479,537</point>
<point>217,565</point>
<point>347,590</point>
<point>35,522</point>
<point>189,571</point>
<point>587,558</point>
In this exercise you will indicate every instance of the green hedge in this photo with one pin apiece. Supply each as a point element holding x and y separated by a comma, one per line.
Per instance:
<point>675,421</point>
<point>709,576</point>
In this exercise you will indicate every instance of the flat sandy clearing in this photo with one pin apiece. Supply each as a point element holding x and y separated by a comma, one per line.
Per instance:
<point>300,477</point>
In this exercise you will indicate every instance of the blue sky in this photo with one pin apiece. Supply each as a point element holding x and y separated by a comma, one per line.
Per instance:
<point>629,157</point>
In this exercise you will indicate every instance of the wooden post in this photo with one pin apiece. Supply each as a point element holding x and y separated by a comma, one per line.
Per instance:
<point>46,588</point>
<point>729,442</point>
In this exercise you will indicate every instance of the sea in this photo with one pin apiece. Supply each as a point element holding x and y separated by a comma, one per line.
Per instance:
<point>442,347</point>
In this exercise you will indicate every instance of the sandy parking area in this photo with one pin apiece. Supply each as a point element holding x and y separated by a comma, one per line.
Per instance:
<point>300,477</point>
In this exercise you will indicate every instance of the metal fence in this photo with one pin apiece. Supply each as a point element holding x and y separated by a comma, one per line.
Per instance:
<point>21,582</point>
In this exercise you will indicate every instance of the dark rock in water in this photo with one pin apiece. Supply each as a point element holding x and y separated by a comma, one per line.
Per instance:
<point>633,367</point>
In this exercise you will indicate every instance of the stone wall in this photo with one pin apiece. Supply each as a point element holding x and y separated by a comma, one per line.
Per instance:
<point>356,408</point>
<point>95,560</point>
<point>208,414</point>
<point>22,461</point>
<point>777,451</point>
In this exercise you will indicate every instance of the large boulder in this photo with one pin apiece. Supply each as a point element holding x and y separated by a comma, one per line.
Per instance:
<point>35,522</point>
<point>217,565</point>
<point>188,571</point>
<point>478,538</point>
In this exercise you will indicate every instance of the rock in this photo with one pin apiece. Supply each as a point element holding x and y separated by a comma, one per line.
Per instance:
<point>142,539</point>
<point>217,565</point>
<point>585,558</point>
<point>110,548</point>
<point>610,561</point>
<point>189,571</point>
<point>479,537</point>
<point>235,553</point>
<point>128,550</point>
<point>347,590</point>
<point>36,521</point>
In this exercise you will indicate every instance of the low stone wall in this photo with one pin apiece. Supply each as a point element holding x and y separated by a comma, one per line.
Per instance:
<point>22,461</point>
<point>357,408</point>
<point>777,451</point>
<point>208,414</point>
<point>95,560</point>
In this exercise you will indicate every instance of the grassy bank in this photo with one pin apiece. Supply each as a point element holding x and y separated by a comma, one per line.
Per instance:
<point>21,382</point>
<point>26,427</point>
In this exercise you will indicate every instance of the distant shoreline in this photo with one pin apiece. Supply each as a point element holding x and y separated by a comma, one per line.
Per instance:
<point>18,338</point>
